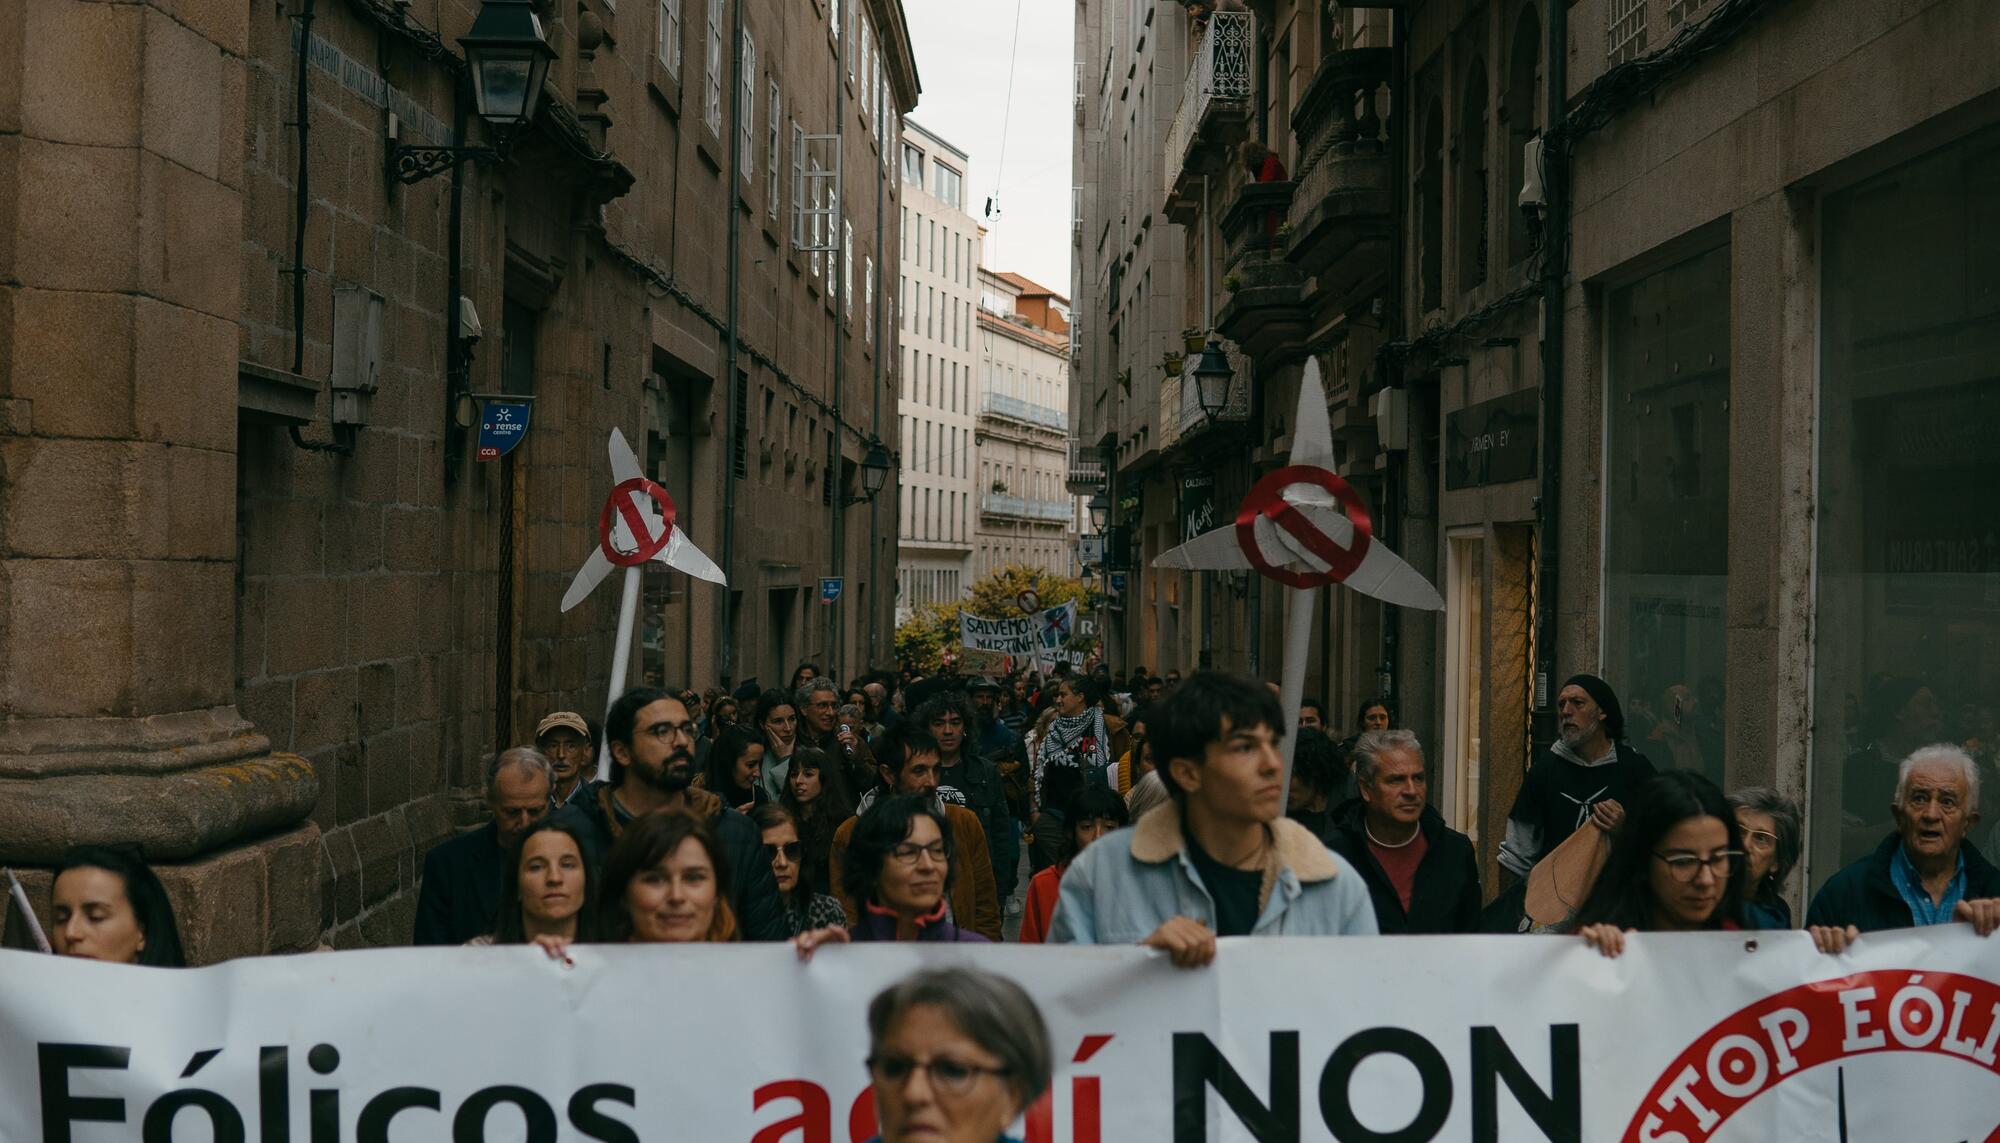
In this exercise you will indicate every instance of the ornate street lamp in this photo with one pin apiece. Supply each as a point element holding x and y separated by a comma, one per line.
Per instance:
<point>1212,375</point>
<point>1100,510</point>
<point>507,58</point>
<point>874,470</point>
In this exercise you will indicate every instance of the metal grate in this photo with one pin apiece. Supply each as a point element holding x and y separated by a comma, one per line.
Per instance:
<point>1220,73</point>
<point>1624,30</point>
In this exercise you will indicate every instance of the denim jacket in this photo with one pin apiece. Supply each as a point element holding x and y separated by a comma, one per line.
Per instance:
<point>1129,883</point>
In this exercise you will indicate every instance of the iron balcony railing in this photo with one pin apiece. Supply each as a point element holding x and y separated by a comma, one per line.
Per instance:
<point>1021,508</point>
<point>1086,468</point>
<point>1001,405</point>
<point>1188,418</point>
<point>1220,73</point>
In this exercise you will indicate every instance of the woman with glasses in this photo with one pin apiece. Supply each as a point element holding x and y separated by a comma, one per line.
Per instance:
<point>1676,865</point>
<point>1770,824</point>
<point>898,870</point>
<point>955,1056</point>
<point>805,907</point>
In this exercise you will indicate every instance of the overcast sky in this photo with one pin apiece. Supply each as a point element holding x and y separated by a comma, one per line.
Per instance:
<point>962,49</point>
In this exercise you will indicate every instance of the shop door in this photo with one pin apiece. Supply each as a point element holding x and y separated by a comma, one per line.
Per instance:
<point>1458,770</point>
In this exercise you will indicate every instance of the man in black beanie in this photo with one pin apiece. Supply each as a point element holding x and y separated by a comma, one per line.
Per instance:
<point>1587,775</point>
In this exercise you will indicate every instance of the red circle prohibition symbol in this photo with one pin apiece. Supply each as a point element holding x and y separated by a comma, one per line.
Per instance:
<point>624,501</point>
<point>1267,499</point>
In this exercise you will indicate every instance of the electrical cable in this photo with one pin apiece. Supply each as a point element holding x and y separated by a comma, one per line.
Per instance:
<point>1006,114</point>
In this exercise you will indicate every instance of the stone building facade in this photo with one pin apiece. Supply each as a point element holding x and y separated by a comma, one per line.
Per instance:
<point>938,276</point>
<point>1675,384</point>
<point>300,615</point>
<point>1027,515</point>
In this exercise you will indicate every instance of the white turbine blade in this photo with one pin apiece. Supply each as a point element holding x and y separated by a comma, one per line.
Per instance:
<point>681,553</point>
<point>624,465</point>
<point>1210,551</point>
<point>587,578</point>
<point>1312,434</point>
<point>1383,575</point>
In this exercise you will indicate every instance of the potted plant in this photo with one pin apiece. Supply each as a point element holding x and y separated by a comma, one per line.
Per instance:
<point>1284,228</point>
<point>1232,283</point>
<point>1194,339</point>
<point>1000,487</point>
<point>1171,362</point>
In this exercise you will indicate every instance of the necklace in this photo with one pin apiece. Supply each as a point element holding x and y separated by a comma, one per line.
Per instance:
<point>1390,844</point>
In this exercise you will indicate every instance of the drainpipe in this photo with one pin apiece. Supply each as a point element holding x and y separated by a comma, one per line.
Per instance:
<point>875,421</point>
<point>836,648</point>
<point>725,615</point>
<point>1389,673</point>
<point>1555,183</point>
<point>1205,657</point>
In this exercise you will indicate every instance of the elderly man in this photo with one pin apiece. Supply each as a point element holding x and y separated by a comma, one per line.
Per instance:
<point>1587,775</point>
<point>820,728</point>
<point>460,898</point>
<point>564,738</point>
<point>1421,873</point>
<point>1926,873</point>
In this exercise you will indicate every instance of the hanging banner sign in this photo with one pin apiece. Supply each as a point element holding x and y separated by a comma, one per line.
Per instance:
<point>1692,1038</point>
<point>1039,633</point>
<point>503,423</point>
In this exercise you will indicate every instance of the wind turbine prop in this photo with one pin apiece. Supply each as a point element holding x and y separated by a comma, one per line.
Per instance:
<point>1305,527</point>
<point>636,526</point>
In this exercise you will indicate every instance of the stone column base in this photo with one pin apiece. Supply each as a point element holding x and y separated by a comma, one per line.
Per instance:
<point>247,900</point>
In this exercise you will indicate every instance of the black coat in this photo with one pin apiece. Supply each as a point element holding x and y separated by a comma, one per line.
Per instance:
<point>460,898</point>
<point>1445,897</point>
<point>753,893</point>
<point>1862,894</point>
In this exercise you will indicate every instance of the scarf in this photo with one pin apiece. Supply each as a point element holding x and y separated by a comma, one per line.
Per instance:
<point>1077,741</point>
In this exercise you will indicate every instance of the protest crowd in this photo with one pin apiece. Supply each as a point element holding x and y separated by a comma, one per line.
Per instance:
<point>1084,808</point>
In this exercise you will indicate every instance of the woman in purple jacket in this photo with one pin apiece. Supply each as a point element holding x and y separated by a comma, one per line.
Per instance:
<point>898,867</point>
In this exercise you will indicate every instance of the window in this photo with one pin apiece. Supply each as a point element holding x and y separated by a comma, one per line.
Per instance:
<point>772,142</point>
<point>746,136</point>
<point>913,166</point>
<point>868,286</point>
<point>867,48</point>
<point>712,89</point>
<point>798,182</point>
<point>667,44</point>
<point>847,264</point>
<point>945,184</point>
<point>813,198</point>
<point>833,20</point>
<point>1667,508</point>
<point>1907,574</point>
<point>1475,185</point>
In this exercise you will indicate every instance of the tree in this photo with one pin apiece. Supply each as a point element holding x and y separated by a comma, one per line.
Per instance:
<point>923,639</point>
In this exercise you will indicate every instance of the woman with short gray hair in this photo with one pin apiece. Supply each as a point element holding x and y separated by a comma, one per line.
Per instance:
<point>956,1055</point>
<point>1770,824</point>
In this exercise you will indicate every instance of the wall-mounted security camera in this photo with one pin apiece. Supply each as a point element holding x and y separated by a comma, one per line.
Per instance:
<point>1534,199</point>
<point>469,330</point>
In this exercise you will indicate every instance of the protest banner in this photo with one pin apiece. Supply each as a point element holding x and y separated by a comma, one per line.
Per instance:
<point>1689,1038</point>
<point>978,661</point>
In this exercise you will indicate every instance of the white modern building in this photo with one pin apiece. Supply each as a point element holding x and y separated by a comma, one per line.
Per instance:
<point>938,302</point>
<point>1026,514</point>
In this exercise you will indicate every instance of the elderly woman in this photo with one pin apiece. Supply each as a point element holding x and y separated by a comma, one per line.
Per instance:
<point>1770,824</point>
<point>110,906</point>
<point>898,868</point>
<point>956,1055</point>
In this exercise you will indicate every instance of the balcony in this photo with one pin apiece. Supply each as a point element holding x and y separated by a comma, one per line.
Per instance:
<point>1342,233</point>
<point>1263,312</point>
<point>1026,412</point>
<point>1019,508</point>
<point>1214,112</point>
<point>1086,468</point>
<point>1181,418</point>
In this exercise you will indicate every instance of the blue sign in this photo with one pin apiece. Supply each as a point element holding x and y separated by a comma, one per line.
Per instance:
<point>502,424</point>
<point>829,589</point>
<point>1118,581</point>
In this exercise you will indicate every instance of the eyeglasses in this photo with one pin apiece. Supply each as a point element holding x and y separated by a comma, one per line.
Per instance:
<point>669,729</point>
<point>949,1076</point>
<point>908,852</point>
<point>1763,841</point>
<point>1685,867</point>
<point>790,849</point>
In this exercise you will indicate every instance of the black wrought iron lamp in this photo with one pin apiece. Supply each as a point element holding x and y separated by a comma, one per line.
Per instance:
<point>1212,374</point>
<point>1100,511</point>
<point>875,467</point>
<point>507,58</point>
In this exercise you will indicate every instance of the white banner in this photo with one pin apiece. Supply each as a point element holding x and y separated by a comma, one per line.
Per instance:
<point>1735,1038</point>
<point>1036,635</point>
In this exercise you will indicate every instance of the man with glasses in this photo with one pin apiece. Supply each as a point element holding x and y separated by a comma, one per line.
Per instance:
<point>652,739</point>
<point>1927,872</point>
<point>564,738</point>
<point>909,765</point>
